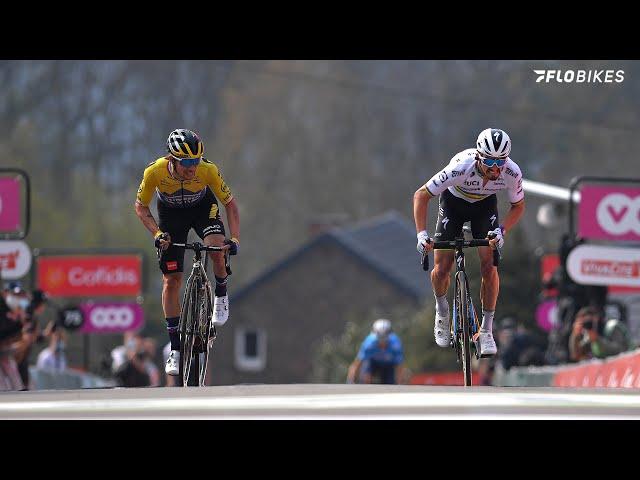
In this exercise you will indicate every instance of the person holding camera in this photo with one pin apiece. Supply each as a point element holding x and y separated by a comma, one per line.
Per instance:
<point>592,337</point>
<point>53,357</point>
<point>133,372</point>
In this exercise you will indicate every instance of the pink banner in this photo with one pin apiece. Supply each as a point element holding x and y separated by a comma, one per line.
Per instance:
<point>546,314</point>
<point>609,213</point>
<point>9,205</point>
<point>111,317</point>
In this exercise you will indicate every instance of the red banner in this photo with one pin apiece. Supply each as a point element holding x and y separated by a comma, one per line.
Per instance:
<point>442,378</point>
<point>621,372</point>
<point>90,275</point>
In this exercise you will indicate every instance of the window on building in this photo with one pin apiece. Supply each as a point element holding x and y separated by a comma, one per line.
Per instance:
<point>250,349</point>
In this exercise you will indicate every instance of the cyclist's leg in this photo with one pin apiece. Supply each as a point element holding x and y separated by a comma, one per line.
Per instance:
<point>485,218</point>
<point>171,264</point>
<point>388,374</point>
<point>208,225</point>
<point>366,372</point>
<point>448,226</point>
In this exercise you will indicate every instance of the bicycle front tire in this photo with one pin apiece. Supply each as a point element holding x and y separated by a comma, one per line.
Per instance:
<point>188,318</point>
<point>463,312</point>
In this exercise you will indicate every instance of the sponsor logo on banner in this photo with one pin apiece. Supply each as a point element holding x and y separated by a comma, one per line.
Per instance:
<point>609,213</point>
<point>598,265</point>
<point>111,317</point>
<point>90,275</point>
<point>9,204</point>
<point>15,259</point>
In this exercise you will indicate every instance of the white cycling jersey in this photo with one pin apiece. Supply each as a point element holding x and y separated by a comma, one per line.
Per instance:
<point>464,180</point>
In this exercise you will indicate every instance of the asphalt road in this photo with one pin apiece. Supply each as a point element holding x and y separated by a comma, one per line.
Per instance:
<point>317,401</point>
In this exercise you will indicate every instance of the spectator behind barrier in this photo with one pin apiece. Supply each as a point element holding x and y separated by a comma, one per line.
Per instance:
<point>10,331</point>
<point>518,346</point>
<point>53,357</point>
<point>133,372</point>
<point>592,337</point>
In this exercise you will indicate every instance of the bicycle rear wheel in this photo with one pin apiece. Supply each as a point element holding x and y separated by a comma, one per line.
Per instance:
<point>463,312</point>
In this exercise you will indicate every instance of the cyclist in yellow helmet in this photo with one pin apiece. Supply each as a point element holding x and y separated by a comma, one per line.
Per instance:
<point>188,187</point>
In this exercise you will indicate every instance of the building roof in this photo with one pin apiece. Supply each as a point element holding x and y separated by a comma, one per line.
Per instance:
<point>385,243</point>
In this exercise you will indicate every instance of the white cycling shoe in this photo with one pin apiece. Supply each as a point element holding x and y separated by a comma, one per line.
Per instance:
<point>488,346</point>
<point>173,362</point>
<point>441,330</point>
<point>220,310</point>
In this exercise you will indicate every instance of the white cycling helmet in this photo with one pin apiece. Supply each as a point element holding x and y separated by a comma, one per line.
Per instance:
<point>494,143</point>
<point>381,327</point>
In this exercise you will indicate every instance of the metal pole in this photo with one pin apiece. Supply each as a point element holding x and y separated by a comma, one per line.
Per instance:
<point>85,352</point>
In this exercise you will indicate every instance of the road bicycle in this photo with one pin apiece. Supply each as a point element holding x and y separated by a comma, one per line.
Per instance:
<point>465,326</point>
<point>197,333</point>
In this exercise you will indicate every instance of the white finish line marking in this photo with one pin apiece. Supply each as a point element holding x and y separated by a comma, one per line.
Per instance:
<point>472,403</point>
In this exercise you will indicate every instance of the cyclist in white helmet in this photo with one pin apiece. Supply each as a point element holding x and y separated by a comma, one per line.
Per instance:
<point>380,357</point>
<point>467,188</point>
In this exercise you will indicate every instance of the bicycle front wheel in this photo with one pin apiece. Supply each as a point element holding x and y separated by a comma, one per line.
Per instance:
<point>207,332</point>
<point>188,319</point>
<point>463,314</point>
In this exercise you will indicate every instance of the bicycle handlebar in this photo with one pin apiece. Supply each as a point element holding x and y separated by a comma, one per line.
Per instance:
<point>199,247</point>
<point>452,244</point>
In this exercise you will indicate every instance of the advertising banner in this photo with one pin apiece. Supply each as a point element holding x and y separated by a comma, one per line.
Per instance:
<point>111,317</point>
<point>90,275</point>
<point>15,259</point>
<point>9,204</point>
<point>609,213</point>
<point>598,265</point>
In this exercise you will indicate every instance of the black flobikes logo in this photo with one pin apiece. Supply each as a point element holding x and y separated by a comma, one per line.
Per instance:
<point>579,76</point>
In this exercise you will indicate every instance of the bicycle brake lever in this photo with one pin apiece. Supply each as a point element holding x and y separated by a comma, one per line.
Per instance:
<point>425,261</point>
<point>227,262</point>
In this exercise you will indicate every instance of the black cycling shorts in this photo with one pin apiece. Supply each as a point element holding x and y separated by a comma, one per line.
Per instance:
<point>204,218</point>
<point>453,212</point>
<point>384,373</point>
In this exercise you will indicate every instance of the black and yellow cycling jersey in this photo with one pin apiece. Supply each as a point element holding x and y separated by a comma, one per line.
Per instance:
<point>176,193</point>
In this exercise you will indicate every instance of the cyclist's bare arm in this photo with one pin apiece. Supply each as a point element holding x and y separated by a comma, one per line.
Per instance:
<point>513,216</point>
<point>420,208</point>
<point>145,216</point>
<point>354,368</point>
<point>233,217</point>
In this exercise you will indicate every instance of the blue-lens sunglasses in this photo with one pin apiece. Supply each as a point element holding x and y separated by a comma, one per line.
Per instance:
<point>490,162</point>
<point>187,162</point>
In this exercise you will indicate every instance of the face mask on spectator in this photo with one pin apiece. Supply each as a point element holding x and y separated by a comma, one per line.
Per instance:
<point>15,302</point>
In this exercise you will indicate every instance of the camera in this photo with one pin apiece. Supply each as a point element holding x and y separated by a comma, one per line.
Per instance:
<point>141,355</point>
